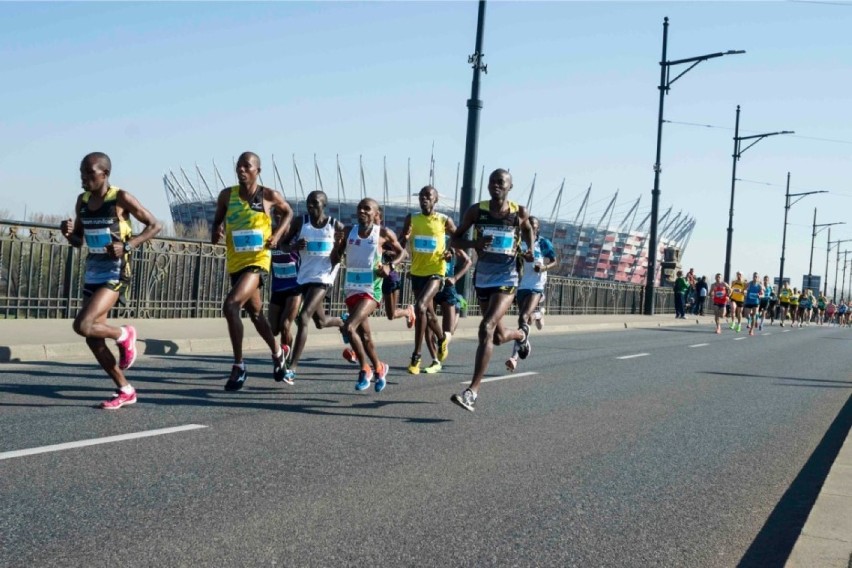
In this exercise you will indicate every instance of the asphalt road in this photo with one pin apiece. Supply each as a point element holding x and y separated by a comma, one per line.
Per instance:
<point>691,455</point>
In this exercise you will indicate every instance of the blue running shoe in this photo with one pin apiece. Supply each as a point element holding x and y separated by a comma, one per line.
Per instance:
<point>381,377</point>
<point>344,317</point>
<point>290,377</point>
<point>363,380</point>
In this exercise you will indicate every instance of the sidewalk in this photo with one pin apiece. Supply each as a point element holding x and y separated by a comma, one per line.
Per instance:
<point>825,540</point>
<point>42,340</point>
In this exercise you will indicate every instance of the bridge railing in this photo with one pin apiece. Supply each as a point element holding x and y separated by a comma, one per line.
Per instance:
<point>41,276</point>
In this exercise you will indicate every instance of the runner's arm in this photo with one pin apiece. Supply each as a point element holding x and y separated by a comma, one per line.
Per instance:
<point>217,232</point>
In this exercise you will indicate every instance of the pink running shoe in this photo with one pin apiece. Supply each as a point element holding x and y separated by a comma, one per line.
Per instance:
<point>118,400</point>
<point>127,349</point>
<point>410,317</point>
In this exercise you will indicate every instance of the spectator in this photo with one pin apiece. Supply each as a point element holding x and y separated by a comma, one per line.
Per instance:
<point>700,296</point>
<point>680,288</point>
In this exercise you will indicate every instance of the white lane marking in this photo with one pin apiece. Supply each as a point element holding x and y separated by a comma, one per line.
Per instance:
<point>768,333</point>
<point>634,356</point>
<point>504,377</point>
<point>739,338</point>
<point>96,441</point>
<point>785,331</point>
<point>700,345</point>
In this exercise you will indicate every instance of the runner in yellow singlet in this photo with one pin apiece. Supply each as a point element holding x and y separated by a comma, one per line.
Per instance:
<point>738,287</point>
<point>784,301</point>
<point>244,219</point>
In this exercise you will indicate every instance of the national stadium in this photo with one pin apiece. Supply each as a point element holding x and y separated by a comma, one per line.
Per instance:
<point>602,247</point>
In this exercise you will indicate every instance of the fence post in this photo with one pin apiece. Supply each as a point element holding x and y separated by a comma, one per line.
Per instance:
<point>196,283</point>
<point>67,279</point>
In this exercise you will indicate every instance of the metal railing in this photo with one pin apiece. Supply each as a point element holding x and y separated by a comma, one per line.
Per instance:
<point>41,276</point>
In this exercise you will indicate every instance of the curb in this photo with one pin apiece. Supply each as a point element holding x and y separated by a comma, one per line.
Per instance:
<point>23,353</point>
<point>826,538</point>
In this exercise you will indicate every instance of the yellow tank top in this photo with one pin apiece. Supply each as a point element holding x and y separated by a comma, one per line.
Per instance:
<point>427,244</point>
<point>247,227</point>
<point>738,290</point>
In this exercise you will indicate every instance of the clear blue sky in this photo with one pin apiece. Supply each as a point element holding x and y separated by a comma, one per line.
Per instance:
<point>570,93</point>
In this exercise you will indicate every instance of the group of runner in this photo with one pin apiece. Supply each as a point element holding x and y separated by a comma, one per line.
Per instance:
<point>300,257</point>
<point>757,300</point>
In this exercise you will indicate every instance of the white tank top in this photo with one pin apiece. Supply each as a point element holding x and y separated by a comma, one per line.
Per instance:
<point>315,260</point>
<point>362,256</point>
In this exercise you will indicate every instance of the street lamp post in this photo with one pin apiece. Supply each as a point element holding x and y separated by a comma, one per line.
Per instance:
<point>474,105</point>
<point>836,263</point>
<point>738,152</point>
<point>787,206</point>
<point>813,238</point>
<point>665,85</point>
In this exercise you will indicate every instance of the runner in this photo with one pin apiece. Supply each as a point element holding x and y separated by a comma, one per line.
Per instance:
<point>794,307</point>
<point>285,299</point>
<point>841,313</point>
<point>806,306</point>
<point>313,235</point>
<point>767,303</point>
<point>533,281</point>
<point>391,288</point>
<point>720,292</point>
<point>753,294</point>
<point>738,287</point>
<point>497,223</point>
<point>784,301</point>
<point>363,287</point>
<point>830,311</point>
<point>821,304</point>
<point>449,300</point>
<point>102,223</point>
<point>244,219</point>
<point>425,233</point>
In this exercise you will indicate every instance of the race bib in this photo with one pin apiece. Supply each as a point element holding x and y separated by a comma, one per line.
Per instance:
<point>425,244</point>
<point>359,279</point>
<point>97,239</point>
<point>249,240</point>
<point>503,241</point>
<point>318,247</point>
<point>284,270</point>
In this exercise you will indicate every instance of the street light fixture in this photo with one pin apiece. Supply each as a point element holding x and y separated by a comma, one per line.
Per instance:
<point>665,85</point>
<point>836,264</point>
<point>738,152</point>
<point>813,238</point>
<point>787,206</point>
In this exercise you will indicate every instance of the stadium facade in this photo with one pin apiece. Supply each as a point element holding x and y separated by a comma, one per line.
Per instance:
<point>607,250</point>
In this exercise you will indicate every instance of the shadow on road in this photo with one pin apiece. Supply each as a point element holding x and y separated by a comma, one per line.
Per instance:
<point>773,544</point>
<point>807,382</point>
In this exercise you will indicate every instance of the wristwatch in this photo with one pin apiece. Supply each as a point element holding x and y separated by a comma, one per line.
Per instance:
<point>129,248</point>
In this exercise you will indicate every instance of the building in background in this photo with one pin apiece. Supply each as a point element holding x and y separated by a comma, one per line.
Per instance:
<point>605,250</point>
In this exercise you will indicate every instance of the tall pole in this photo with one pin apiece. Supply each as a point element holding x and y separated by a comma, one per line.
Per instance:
<point>784,234</point>
<point>474,105</point>
<point>650,277</point>
<point>811,262</point>
<point>836,267</point>
<point>825,274</point>
<point>733,187</point>
<point>843,284</point>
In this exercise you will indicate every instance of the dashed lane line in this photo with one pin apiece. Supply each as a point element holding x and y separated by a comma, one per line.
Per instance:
<point>633,356</point>
<point>97,441</point>
<point>700,345</point>
<point>504,377</point>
